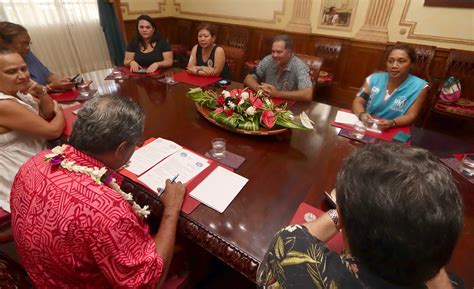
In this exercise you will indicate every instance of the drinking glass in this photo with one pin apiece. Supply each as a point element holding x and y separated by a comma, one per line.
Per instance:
<point>83,89</point>
<point>359,130</point>
<point>117,73</point>
<point>467,165</point>
<point>169,76</point>
<point>218,148</point>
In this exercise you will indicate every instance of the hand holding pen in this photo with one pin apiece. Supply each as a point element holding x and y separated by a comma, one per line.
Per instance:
<point>174,196</point>
<point>173,179</point>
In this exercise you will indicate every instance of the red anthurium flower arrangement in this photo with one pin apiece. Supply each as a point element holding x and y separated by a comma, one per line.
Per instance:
<point>247,110</point>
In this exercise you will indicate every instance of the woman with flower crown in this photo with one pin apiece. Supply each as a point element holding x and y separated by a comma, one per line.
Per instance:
<point>84,227</point>
<point>28,117</point>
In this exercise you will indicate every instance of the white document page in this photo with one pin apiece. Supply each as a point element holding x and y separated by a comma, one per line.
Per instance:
<point>350,119</point>
<point>185,163</point>
<point>151,154</point>
<point>219,189</point>
<point>346,118</point>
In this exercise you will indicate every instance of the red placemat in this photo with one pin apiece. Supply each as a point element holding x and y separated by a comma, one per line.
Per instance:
<point>70,117</point>
<point>336,244</point>
<point>184,76</point>
<point>65,96</point>
<point>386,135</point>
<point>126,71</point>
<point>280,101</point>
<point>189,203</point>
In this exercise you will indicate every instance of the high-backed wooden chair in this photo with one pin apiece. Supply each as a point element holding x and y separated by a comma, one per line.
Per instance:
<point>234,36</point>
<point>184,34</point>
<point>234,58</point>
<point>459,64</point>
<point>329,50</point>
<point>265,49</point>
<point>315,63</point>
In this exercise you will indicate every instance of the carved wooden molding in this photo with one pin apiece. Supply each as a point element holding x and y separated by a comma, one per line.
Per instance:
<point>413,35</point>
<point>275,18</point>
<point>126,9</point>
<point>229,254</point>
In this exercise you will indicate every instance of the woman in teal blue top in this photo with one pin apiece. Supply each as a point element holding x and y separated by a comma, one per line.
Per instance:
<point>395,96</point>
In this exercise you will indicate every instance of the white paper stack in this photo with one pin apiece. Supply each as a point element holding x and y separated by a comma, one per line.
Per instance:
<point>350,119</point>
<point>151,154</point>
<point>219,189</point>
<point>183,163</point>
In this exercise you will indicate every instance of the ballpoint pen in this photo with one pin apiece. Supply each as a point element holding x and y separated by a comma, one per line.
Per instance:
<point>172,181</point>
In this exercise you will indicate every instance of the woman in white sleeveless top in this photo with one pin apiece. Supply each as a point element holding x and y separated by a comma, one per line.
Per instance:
<point>28,117</point>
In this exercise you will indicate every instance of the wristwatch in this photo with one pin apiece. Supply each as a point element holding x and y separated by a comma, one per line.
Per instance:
<point>334,216</point>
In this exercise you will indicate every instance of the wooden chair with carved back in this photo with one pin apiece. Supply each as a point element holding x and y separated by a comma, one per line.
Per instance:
<point>460,64</point>
<point>234,57</point>
<point>265,49</point>
<point>235,36</point>
<point>329,50</point>
<point>184,34</point>
<point>315,63</point>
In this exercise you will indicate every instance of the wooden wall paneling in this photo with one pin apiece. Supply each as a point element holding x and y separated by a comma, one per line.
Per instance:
<point>362,60</point>
<point>357,60</point>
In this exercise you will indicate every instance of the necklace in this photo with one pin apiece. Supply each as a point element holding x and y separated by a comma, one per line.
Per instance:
<point>100,176</point>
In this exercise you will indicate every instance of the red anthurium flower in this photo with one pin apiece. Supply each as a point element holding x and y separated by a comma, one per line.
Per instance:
<point>268,118</point>
<point>235,92</point>
<point>228,112</point>
<point>255,101</point>
<point>220,100</point>
<point>218,110</point>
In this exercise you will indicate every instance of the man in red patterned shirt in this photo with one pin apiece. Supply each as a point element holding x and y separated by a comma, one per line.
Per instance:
<point>71,230</point>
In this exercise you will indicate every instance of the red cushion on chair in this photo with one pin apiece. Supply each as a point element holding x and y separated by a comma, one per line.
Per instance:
<point>250,64</point>
<point>12,275</point>
<point>462,106</point>
<point>325,77</point>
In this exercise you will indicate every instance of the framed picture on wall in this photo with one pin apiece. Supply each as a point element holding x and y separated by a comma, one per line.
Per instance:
<point>337,14</point>
<point>450,3</point>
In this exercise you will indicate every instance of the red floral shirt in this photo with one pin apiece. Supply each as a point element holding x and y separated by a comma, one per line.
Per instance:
<point>73,233</point>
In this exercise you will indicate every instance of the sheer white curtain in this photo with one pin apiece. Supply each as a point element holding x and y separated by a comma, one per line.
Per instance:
<point>66,34</point>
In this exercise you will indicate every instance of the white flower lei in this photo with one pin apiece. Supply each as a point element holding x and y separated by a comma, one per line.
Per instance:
<point>96,174</point>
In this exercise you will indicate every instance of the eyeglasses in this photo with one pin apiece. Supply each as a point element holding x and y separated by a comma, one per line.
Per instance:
<point>25,44</point>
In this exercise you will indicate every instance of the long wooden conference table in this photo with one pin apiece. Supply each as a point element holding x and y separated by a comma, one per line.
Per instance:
<point>283,171</point>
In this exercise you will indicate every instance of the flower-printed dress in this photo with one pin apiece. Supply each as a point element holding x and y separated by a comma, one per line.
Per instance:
<point>298,260</point>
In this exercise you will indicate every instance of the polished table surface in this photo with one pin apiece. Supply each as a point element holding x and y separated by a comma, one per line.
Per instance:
<point>283,171</point>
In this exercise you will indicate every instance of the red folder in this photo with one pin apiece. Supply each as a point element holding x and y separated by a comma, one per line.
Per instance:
<point>189,203</point>
<point>126,71</point>
<point>184,76</point>
<point>336,244</point>
<point>69,118</point>
<point>386,135</point>
<point>65,96</point>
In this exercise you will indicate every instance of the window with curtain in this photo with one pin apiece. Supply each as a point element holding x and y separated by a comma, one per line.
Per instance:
<point>66,34</point>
